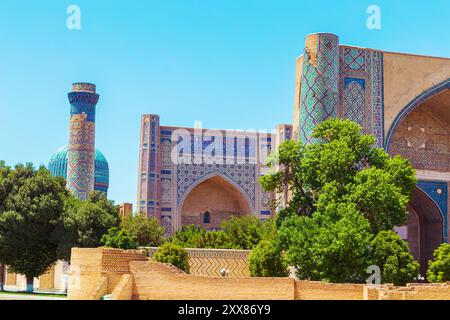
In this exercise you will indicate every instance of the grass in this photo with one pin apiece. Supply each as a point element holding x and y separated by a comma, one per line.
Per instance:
<point>56,295</point>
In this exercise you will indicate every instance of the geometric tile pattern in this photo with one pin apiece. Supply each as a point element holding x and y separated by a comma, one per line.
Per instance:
<point>166,222</point>
<point>437,191</point>
<point>241,174</point>
<point>424,139</point>
<point>341,81</point>
<point>163,183</point>
<point>81,155</point>
<point>319,95</point>
<point>58,168</point>
<point>354,100</point>
<point>354,58</point>
<point>361,89</point>
<point>209,262</point>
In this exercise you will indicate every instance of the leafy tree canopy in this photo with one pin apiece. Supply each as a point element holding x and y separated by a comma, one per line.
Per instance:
<point>391,254</point>
<point>146,230</point>
<point>439,267</point>
<point>266,260</point>
<point>120,239</point>
<point>85,222</point>
<point>31,205</point>
<point>344,168</point>
<point>343,192</point>
<point>237,233</point>
<point>330,246</point>
<point>173,254</point>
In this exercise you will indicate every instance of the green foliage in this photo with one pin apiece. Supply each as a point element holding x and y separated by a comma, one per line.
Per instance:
<point>31,205</point>
<point>329,246</point>
<point>345,168</point>
<point>439,267</point>
<point>120,239</point>
<point>382,202</point>
<point>237,233</point>
<point>247,231</point>
<point>146,230</point>
<point>391,254</point>
<point>266,260</point>
<point>85,222</point>
<point>173,254</point>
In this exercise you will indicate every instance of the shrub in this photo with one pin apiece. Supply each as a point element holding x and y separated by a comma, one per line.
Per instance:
<point>173,254</point>
<point>391,254</point>
<point>327,248</point>
<point>116,238</point>
<point>237,233</point>
<point>266,260</point>
<point>439,267</point>
<point>246,232</point>
<point>146,230</point>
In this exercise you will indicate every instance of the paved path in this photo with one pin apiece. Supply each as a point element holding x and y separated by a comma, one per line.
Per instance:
<point>13,296</point>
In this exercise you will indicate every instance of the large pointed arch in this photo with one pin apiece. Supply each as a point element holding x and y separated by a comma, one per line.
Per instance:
<point>208,177</point>
<point>417,101</point>
<point>426,227</point>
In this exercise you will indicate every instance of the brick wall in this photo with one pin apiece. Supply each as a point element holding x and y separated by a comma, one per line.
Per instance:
<point>209,262</point>
<point>128,275</point>
<point>154,280</point>
<point>316,290</point>
<point>97,271</point>
<point>411,292</point>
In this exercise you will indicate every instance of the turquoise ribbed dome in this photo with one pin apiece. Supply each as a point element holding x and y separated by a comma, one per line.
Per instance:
<point>58,167</point>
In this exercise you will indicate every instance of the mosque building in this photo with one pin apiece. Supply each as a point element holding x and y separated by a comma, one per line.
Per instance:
<point>401,99</point>
<point>200,176</point>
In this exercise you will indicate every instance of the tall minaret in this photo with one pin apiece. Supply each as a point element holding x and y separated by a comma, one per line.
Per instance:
<point>81,156</point>
<point>319,95</point>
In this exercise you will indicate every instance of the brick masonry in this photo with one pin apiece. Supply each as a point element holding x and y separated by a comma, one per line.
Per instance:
<point>209,262</point>
<point>129,275</point>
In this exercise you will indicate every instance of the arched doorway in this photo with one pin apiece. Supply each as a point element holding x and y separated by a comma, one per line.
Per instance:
<point>424,228</point>
<point>213,200</point>
<point>421,133</point>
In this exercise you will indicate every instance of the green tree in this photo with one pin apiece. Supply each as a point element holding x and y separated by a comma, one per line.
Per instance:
<point>247,231</point>
<point>329,246</point>
<point>31,205</point>
<point>120,239</point>
<point>391,254</point>
<point>237,233</point>
<point>84,222</point>
<point>266,260</point>
<point>343,191</point>
<point>193,236</point>
<point>146,230</point>
<point>439,267</point>
<point>173,254</point>
<point>346,168</point>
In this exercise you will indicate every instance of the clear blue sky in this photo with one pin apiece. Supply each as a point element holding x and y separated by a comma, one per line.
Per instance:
<point>228,63</point>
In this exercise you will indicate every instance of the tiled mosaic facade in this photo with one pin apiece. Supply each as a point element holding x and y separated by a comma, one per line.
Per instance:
<point>340,81</point>
<point>58,168</point>
<point>361,89</point>
<point>438,192</point>
<point>423,138</point>
<point>236,157</point>
<point>332,80</point>
<point>81,156</point>
<point>319,95</point>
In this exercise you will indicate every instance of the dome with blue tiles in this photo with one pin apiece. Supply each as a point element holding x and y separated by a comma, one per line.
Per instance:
<point>58,167</point>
